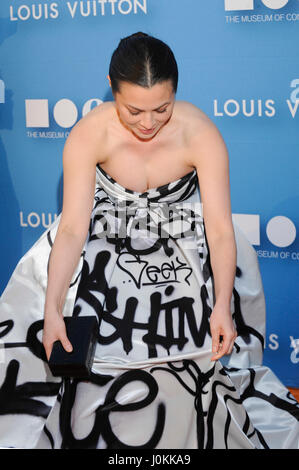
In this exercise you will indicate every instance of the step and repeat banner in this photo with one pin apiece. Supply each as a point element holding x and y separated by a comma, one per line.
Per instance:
<point>238,62</point>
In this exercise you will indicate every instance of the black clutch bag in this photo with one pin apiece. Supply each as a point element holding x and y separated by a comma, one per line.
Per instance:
<point>82,333</point>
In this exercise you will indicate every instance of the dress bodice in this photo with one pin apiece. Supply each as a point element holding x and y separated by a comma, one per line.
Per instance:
<point>172,210</point>
<point>175,191</point>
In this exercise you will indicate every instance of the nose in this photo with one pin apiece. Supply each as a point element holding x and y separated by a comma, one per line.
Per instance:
<point>147,121</point>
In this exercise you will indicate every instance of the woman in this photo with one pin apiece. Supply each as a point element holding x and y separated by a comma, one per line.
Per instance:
<point>165,293</point>
<point>144,139</point>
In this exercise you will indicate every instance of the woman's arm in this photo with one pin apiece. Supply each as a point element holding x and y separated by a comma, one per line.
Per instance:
<point>212,164</point>
<point>79,161</point>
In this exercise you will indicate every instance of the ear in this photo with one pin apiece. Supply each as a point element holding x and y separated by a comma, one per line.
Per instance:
<point>109,80</point>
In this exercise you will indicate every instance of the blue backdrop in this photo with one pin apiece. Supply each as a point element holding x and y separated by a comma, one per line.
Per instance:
<point>238,62</point>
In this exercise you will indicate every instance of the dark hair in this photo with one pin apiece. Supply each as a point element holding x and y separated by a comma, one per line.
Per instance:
<point>143,60</point>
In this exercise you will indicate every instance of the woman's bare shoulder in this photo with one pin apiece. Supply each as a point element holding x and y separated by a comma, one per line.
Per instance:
<point>192,115</point>
<point>202,135</point>
<point>96,118</point>
<point>88,134</point>
<point>197,124</point>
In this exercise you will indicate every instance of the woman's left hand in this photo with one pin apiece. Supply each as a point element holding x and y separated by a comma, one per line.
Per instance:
<point>221,325</point>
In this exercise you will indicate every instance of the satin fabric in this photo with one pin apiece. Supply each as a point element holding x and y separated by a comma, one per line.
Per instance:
<point>153,384</point>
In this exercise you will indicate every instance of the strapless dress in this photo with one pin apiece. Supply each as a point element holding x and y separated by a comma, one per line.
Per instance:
<point>145,273</point>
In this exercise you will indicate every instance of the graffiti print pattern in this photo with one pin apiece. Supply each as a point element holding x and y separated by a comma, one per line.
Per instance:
<point>145,274</point>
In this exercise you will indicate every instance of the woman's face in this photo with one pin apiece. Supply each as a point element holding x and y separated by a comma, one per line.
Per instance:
<point>144,111</point>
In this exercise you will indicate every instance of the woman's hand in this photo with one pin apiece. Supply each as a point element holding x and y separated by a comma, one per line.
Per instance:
<point>54,329</point>
<point>221,324</point>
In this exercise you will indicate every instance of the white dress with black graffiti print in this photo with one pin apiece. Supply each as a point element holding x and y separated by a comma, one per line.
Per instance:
<point>145,273</point>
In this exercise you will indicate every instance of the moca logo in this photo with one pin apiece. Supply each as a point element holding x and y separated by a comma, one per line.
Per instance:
<point>65,112</point>
<point>280,230</point>
<point>231,5</point>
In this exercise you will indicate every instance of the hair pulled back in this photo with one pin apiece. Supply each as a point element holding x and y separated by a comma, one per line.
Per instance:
<point>142,60</point>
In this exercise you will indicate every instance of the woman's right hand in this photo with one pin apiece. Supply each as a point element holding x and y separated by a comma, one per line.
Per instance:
<point>54,329</point>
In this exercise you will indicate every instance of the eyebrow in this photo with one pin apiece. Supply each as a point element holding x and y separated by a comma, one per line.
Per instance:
<point>137,109</point>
